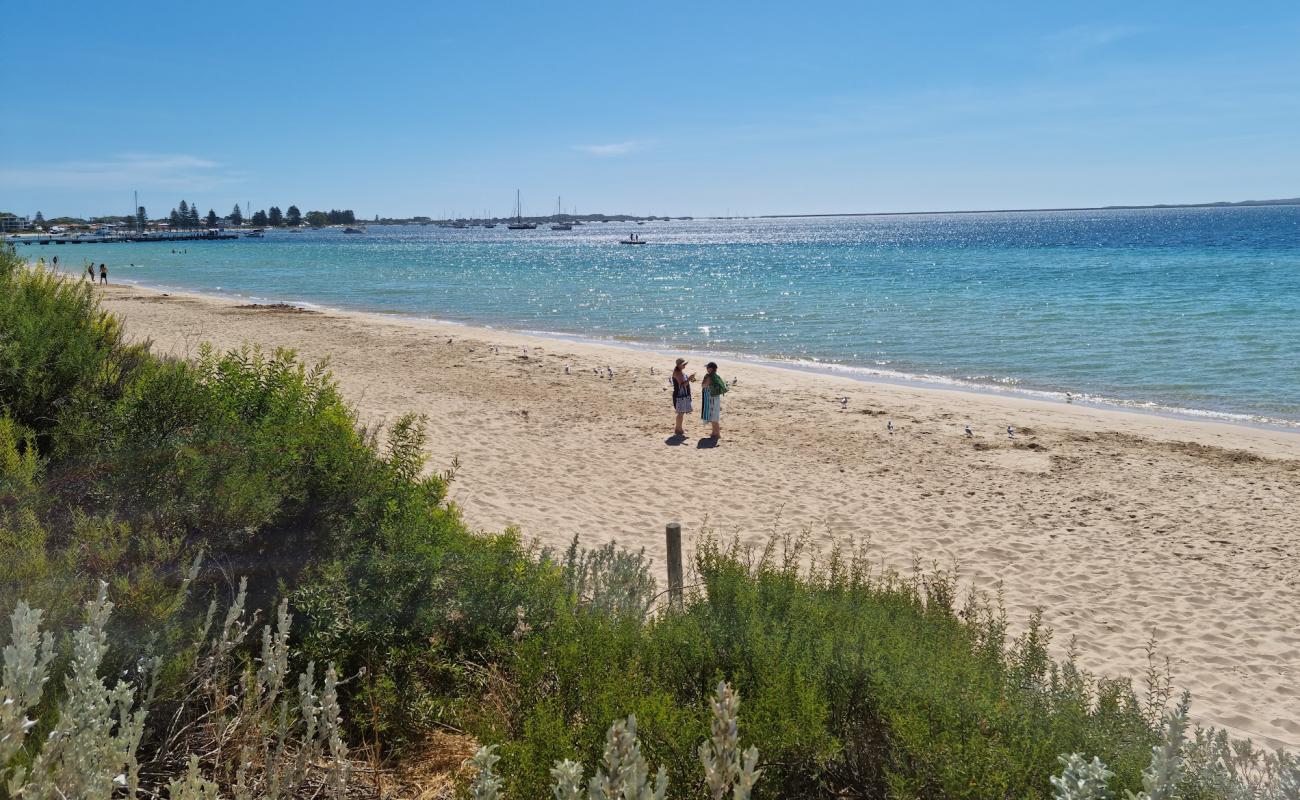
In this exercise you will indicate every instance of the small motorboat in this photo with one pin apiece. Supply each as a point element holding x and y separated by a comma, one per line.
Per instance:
<point>631,240</point>
<point>255,234</point>
<point>354,230</point>
<point>561,226</point>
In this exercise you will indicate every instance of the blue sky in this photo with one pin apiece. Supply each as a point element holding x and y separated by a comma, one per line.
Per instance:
<point>665,108</point>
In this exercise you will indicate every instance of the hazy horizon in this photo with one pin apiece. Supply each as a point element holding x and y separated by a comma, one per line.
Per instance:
<point>751,110</point>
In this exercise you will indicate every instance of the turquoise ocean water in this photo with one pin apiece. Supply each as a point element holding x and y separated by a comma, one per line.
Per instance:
<point>1189,310</point>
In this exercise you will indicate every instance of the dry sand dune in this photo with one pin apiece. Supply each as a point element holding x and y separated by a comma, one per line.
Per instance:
<point>1120,526</point>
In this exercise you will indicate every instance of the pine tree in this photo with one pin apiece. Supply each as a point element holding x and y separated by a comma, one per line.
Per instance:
<point>236,216</point>
<point>212,218</point>
<point>39,219</point>
<point>259,219</point>
<point>193,219</point>
<point>293,217</point>
<point>275,218</point>
<point>174,219</point>
<point>184,213</point>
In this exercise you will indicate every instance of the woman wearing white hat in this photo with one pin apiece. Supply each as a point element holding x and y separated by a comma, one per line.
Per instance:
<point>681,394</point>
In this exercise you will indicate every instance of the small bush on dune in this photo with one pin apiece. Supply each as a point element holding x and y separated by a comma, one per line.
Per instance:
<point>61,358</point>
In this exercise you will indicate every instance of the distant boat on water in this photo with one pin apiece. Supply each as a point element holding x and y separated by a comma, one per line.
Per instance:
<point>354,230</point>
<point>257,233</point>
<point>519,224</point>
<point>560,225</point>
<point>633,239</point>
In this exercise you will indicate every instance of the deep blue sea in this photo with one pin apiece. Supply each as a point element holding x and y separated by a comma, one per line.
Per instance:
<point>1188,310</point>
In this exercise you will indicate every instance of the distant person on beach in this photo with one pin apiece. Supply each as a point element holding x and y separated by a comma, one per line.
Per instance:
<point>711,391</point>
<point>55,262</point>
<point>681,394</point>
<point>103,274</point>
<point>90,271</point>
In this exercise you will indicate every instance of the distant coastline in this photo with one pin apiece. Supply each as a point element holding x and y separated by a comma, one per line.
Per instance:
<point>1289,201</point>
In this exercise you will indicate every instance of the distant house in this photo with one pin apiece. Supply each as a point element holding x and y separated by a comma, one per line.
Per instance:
<point>12,223</point>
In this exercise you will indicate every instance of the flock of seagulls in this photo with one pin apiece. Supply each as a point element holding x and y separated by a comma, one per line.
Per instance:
<point>970,434</point>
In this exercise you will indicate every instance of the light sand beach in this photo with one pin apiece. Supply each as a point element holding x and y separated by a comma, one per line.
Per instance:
<point>1120,526</point>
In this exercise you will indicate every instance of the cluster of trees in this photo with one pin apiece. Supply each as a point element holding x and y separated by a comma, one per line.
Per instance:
<point>276,218</point>
<point>293,217</point>
<point>186,216</point>
<point>332,217</point>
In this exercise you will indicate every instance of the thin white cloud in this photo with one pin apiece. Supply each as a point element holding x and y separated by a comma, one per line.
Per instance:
<point>608,150</point>
<point>1080,39</point>
<point>128,170</point>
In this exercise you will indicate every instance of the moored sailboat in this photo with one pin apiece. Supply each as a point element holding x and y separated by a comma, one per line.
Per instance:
<point>560,225</point>
<point>519,224</point>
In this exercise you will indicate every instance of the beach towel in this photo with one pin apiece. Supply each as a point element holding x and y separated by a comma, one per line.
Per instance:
<point>710,406</point>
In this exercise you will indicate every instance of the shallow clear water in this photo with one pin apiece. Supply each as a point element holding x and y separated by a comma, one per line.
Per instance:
<point>1189,309</point>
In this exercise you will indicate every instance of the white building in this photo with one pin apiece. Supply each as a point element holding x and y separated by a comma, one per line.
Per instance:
<point>11,223</point>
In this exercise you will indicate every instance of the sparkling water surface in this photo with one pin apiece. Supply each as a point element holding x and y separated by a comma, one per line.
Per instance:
<point>1189,310</point>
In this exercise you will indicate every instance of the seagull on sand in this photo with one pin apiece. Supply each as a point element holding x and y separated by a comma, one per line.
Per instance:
<point>1069,398</point>
<point>969,434</point>
<point>1011,432</point>
<point>611,372</point>
<point>449,341</point>
<point>843,401</point>
<point>566,369</point>
<point>889,426</point>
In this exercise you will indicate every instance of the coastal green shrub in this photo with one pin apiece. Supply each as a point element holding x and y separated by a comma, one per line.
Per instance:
<point>623,773</point>
<point>858,682</point>
<point>61,358</point>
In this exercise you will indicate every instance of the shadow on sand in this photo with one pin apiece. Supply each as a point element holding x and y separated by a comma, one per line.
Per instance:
<point>707,443</point>
<point>675,439</point>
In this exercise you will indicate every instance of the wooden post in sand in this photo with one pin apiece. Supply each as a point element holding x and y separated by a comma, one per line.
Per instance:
<point>674,534</point>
